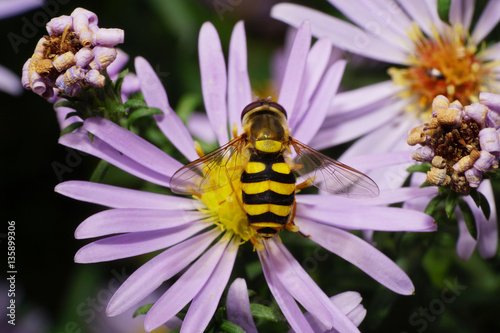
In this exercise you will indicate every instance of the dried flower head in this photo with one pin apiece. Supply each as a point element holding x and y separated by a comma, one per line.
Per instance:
<point>460,142</point>
<point>73,55</point>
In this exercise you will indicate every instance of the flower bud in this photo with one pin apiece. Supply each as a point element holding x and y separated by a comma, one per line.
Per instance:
<point>438,177</point>
<point>422,154</point>
<point>485,161</point>
<point>488,139</point>
<point>474,177</point>
<point>57,25</point>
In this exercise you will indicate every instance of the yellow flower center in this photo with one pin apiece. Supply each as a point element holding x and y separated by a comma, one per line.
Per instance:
<point>222,197</point>
<point>442,65</point>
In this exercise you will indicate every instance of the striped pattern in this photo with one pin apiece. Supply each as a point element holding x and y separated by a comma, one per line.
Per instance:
<point>268,187</point>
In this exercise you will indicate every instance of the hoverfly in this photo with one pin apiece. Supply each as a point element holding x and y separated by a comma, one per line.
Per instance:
<point>259,161</point>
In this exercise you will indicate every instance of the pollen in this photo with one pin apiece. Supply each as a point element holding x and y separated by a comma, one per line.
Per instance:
<point>223,200</point>
<point>443,64</point>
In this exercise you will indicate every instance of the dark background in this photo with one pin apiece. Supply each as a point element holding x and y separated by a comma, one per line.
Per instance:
<point>165,33</point>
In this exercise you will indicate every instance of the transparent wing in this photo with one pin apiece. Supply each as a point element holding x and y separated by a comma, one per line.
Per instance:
<point>211,171</point>
<point>330,175</point>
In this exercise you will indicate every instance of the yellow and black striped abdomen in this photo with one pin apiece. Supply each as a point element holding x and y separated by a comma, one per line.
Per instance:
<point>268,187</point>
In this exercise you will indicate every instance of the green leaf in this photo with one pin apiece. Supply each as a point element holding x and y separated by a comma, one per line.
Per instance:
<point>71,114</point>
<point>444,9</point>
<point>71,127</point>
<point>485,206</point>
<point>450,203</point>
<point>229,327</point>
<point>260,311</point>
<point>423,167</point>
<point>67,104</point>
<point>100,171</point>
<point>433,204</point>
<point>481,201</point>
<point>142,310</point>
<point>134,103</point>
<point>470,220</point>
<point>143,112</point>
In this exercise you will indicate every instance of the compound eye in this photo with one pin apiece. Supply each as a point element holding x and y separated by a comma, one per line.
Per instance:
<point>250,107</point>
<point>279,108</point>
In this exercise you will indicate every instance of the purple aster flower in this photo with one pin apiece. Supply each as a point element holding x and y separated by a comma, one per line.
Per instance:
<point>201,234</point>
<point>433,58</point>
<point>239,313</point>
<point>72,56</point>
<point>462,145</point>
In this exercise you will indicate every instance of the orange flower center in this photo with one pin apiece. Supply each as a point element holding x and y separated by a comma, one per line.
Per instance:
<point>441,65</point>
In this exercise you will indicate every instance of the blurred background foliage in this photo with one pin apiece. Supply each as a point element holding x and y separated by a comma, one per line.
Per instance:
<point>69,295</point>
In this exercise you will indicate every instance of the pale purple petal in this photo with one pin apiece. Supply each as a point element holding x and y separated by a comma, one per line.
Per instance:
<point>422,14</point>
<point>312,121</point>
<point>239,92</point>
<point>295,67</point>
<point>465,242</point>
<point>490,53</point>
<point>11,8</point>
<point>205,302</point>
<point>317,62</point>
<point>238,306</point>
<point>357,314</point>
<point>432,9</point>
<point>369,218</point>
<point>10,82</point>
<point>492,101</point>
<point>152,274</point>
<point>118,197</point>
<point>343,35</point>
<point>100,149</point>
<point>61,113</point>
<point>487,230</point>
<point>303,288</point>
<point>169,123</point>
<point>185,288</point>
<point>132,145</point>
<point>362,98</point>
<point>371,17</point>
<point>379,160</point>
<point>348,126</point>
<point>117,65</point>
<point>389,137</point>
<point>359,253</point>
<point>385,197</point>
<point>117,221</point>
<point>133,244</point>
<point>287,304</point>
<point>487,21</point>
<point>349,303</point>
<point>461,12</point>
<point>280,57</point>
<point>213,80</point>
<point>130,85</point>
<point>199,125</point>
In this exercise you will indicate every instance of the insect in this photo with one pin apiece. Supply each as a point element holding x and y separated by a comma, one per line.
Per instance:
<point>259,162</point>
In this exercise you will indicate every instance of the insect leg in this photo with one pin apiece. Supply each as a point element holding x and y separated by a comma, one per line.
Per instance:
<point>290,226</point>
